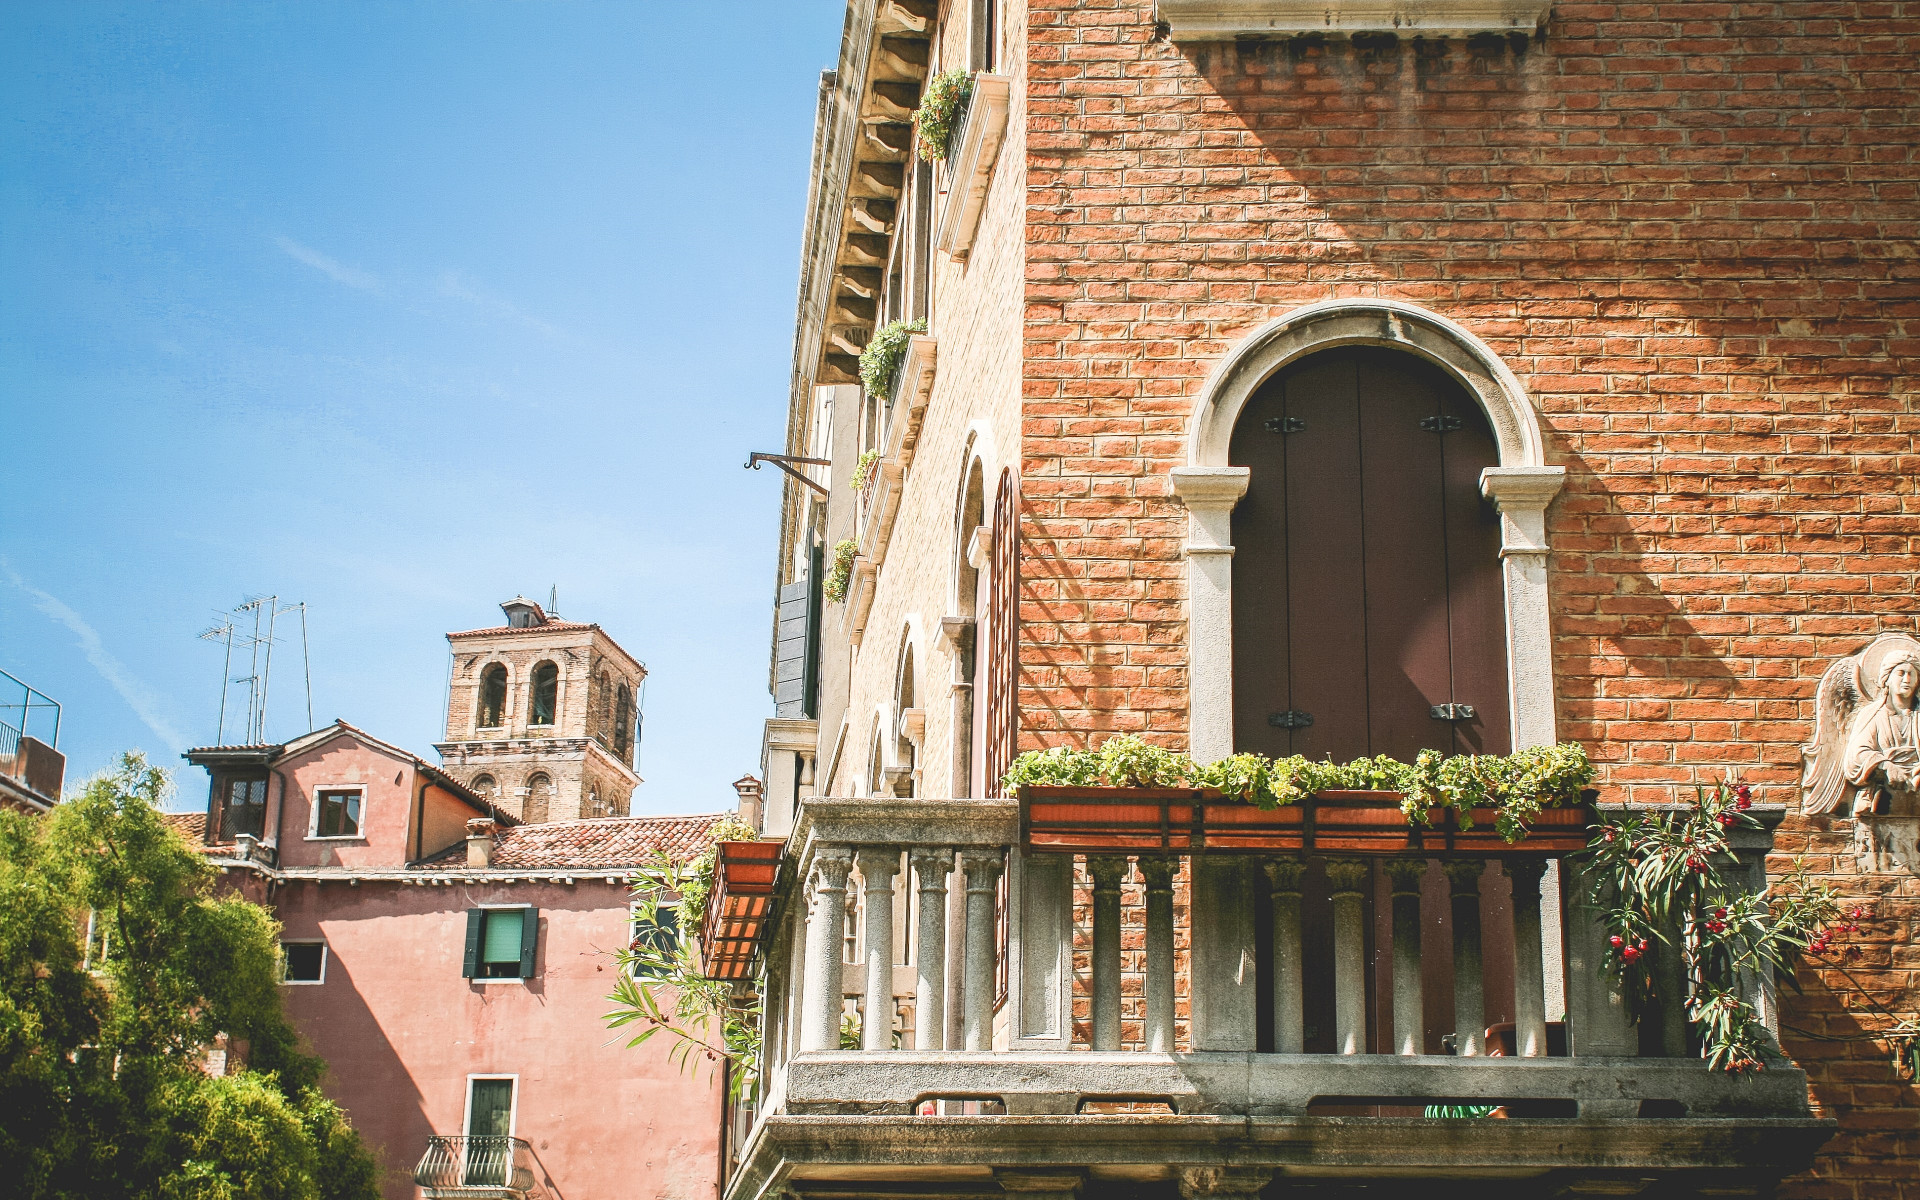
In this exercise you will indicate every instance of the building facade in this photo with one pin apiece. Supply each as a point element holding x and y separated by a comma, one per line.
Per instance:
<point>542,716</point>
<point>1332,380</point>
<point>452,964</point>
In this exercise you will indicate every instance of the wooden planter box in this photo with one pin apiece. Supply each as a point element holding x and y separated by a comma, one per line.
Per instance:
<point>1103,820</point>
<point>739,906</point>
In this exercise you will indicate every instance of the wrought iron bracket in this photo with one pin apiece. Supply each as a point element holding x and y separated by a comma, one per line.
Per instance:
<point>1447,424</point>
<point>1285,425</point>
<point>1293,718</point>
<point>1451,712</point>
<point>783,460</point>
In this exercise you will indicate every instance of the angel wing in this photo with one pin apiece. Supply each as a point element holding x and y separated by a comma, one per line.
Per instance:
<point>1823,783</point>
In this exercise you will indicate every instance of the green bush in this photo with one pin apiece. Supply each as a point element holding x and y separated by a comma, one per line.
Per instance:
<point>841,573</point>
<point>880,361</point>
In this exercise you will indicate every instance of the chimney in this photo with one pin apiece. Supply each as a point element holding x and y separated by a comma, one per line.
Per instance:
<point>751,810</point>
<point>480,842</point>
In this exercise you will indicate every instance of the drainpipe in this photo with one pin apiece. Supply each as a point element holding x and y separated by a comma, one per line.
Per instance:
<point>419,817</point>
<point>279,813</point>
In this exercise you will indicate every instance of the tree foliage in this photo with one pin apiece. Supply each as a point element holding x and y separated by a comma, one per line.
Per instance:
<point>104,1035</point>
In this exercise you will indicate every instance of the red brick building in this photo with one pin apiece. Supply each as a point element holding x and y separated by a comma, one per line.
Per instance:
<point>1357,377</point>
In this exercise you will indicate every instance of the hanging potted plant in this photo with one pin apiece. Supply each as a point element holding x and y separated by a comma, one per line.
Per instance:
<point>880,360</point>
<point>840,574</point>
<point>942,107</point>
<point>863,473</point>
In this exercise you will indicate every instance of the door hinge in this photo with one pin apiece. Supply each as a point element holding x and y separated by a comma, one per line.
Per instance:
<point>1293,718</point>
<point>1442,424</point>
<point>1285,425</point>
<point>1451,712</point>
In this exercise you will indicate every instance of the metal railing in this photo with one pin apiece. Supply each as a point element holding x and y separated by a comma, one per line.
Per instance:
<point>28,717</point>
<point>464,1165</point>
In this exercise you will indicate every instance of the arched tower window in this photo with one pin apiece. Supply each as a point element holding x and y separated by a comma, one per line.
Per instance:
<point>539,800</point>
<point>623,724</point>
<point>493,696</point>
<point>545,695</point>
<point>1368,603</point>
<point>602,715</point>
<point>485,786</point>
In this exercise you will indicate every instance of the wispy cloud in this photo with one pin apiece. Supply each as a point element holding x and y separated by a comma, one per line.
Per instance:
<point>144,702</point>
<point>333,269</point>
<point>455,286</point>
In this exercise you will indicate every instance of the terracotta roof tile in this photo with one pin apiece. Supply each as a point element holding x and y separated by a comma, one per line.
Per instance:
<point>549,627</point>
<point>193,827</point>
<point>591,844</point>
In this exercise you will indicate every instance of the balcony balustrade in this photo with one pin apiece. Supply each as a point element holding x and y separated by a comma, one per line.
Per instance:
<point>458,1167</point>
<point>1304,1010</point>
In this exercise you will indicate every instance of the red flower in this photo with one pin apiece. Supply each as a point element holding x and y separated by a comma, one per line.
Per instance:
<point>1615,940</point>
<point>1630,954</point>
<point>1743,797</point>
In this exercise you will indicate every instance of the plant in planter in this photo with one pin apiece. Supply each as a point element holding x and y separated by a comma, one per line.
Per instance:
<point>880,361</point>
<point>1661,885</point>
<point>863,470</point>
<point>840,574</point>
<point>941,107</point>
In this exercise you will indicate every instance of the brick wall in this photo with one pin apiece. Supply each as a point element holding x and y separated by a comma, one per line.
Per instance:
<point>1690,231</point>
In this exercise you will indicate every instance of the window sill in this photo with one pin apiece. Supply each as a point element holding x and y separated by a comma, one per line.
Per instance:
<point>971,164</point>
<point>303,983</point>
<point>515,979</point>
<point>336,837</point>
<point>1211,20</point>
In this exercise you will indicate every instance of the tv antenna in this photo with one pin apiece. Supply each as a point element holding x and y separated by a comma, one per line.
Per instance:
<point>250,628</point>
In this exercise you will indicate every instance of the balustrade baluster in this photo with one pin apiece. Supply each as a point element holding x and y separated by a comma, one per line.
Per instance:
<point>1469,982</point>
<point>1107,874</point>
<point>1158,873</point>
<point>1409,1017</point>
<point>1529,971</point>
<point>826,918</point>
<point>982,869</point>
<point>1347,877</point>
<point>877,869</point>
<point>930,870</point>
<point>1289,983</point>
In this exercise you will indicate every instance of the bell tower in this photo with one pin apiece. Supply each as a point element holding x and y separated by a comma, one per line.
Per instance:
<point>541,716</point>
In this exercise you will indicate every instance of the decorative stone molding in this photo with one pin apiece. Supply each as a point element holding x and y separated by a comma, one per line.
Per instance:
<point>1887,845</point>
<point>1210,494</point>
<point>971,164</point>
<point>1224,1183</point>
<point>1213,20</point>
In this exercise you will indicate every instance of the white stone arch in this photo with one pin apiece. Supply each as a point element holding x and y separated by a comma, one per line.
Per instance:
<point>1521,487</point>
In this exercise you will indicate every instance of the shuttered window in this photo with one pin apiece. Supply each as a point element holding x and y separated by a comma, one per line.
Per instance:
<point>501,943</point>
<point>1368,605</point>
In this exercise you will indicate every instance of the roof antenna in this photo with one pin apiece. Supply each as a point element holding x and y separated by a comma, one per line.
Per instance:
<point>553,602</point>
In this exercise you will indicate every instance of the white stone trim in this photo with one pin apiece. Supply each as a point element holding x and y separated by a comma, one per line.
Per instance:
<point>1208,20</point>
<point>972,163</point>
<point>1521,486</point>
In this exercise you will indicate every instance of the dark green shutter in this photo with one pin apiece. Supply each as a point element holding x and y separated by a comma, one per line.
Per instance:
<point>529,938</point>
<point>476,921</point>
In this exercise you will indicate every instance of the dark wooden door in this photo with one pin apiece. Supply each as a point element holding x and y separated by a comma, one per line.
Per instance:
<point>1367,586</point>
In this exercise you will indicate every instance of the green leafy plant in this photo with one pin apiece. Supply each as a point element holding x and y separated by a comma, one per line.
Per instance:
<point>881,358</point>
<point>1517,786</point>
<point>941,107</point>
<point>662,987</point>
<point>1662,884</point>
<point>863,475</point>
<point>840,574</point>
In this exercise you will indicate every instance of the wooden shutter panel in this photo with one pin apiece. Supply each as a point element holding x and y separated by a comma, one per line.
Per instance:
<point>790,649</point>
<point>476,921</point>
<point>529,939</point>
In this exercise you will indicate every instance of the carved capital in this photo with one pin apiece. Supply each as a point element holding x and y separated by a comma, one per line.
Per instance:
<point>831,866</point>
<point>1285,873</point>
<point>1014,1182</point>
<point>983,868</point>
<point>1346,875</point>
<point>1526,874</point>
<point>878,866</point>
<point>1463,875</point>
<point>1108,873</point>
<point>1223,1183</point>
<point>1159,872</point>
<point>931,866</point>
<point>1406,874</point>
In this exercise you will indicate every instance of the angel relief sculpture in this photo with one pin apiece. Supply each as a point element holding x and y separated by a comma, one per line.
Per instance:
<point>1865,754</point>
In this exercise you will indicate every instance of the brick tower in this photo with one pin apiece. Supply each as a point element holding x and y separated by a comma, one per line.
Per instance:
<point>541,716</point>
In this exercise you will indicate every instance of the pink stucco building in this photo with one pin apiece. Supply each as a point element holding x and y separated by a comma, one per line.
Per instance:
<point>452,965</point>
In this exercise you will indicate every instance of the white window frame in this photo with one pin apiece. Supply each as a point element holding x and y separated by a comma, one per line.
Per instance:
<point>325,954</point>
<point>313,813</point>
<point>519,979</point>
<point>466,1107</point>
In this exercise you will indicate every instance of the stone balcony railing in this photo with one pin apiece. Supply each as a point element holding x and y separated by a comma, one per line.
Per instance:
<point>976,1070</point>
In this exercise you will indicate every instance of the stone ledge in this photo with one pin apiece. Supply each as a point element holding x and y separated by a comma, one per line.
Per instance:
<point>972,164</point>
<point>1208,20</point>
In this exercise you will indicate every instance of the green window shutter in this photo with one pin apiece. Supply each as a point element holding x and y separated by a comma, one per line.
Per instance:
<point>476,920</point>
<point>529,939</point>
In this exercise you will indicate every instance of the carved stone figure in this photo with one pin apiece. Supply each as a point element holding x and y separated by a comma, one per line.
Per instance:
<point>1865,752</point>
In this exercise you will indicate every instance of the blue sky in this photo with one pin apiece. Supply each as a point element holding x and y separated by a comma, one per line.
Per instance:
<point>397,310</point>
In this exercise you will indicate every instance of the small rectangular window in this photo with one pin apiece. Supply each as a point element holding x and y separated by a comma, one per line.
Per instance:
<point>657,940</point>
<point>337,812</point>
<point>500,942</point>
<point>303,962</point>
<point>243,805</point>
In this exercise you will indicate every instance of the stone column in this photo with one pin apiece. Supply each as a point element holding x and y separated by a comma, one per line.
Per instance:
<point>930,868</point>
<point>1224,1183</point>
<point>1670,980</point>
<point>1107,874</point>
<point>982,868</point>
<point>1158,873</point>
<point>1289,989</point>
<point>1522,495</point>
<point>1210,494</point>
<point>1347,877</point>
<point>1221,960</point>
<point>1469,977</point>
<point>826,924</point>
<point>1598,1020</point>
<point>1409,1016</point>
<point>877,869</point>
<point>1529,974</point>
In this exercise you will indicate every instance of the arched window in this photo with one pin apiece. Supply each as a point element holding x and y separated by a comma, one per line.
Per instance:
<point>1368,604</point>
<point>545,696</point>
<point>601,729</point>
<point>485,787</point>
<point>905,754</point>
<point>622,724</point>
<point>876,769</point>
<point>969,758</point>
<point>493,696</point>
<point>1000,734</point>
<point>539,801</point>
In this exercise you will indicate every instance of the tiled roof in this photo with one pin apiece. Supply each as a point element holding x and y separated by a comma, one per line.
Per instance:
<point>193,827</point>
<point>549,627</point>
<point>596,843</point>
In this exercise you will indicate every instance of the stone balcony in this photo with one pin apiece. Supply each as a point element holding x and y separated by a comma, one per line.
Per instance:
<point>1238,1043</point>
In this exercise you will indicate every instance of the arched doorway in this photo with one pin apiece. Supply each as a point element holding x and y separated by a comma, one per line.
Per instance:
<point>1368,600</point>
